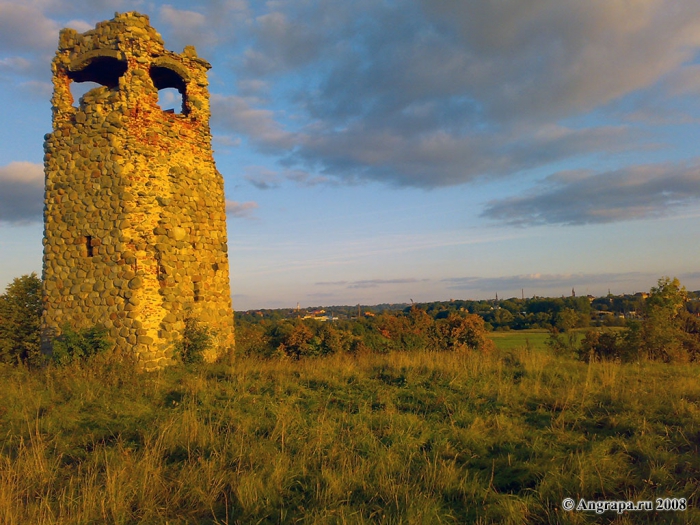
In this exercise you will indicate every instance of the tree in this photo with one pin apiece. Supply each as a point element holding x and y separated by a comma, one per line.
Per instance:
<point>499,318</point>
<point>662,331</point>
<point>251,339</point>
<point>467,332</point>
<point>293,338</point>
<point>20,321</point>
<point>562,338</point>
<point>566,319</point>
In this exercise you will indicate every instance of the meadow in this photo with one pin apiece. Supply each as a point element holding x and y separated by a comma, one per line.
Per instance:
<point>401,437</point>
<point>535,338</point>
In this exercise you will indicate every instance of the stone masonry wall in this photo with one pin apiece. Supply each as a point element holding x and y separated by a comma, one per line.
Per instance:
<point>135,222</point>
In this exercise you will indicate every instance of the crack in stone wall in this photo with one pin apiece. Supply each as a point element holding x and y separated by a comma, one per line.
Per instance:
<point>134,212</point>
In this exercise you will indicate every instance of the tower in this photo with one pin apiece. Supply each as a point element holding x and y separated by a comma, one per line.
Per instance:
<point>134,209</point>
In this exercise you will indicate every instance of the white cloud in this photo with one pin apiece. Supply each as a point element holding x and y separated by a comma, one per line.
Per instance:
<point>261,177</point>
<point>240,116</point>
<point>24,27</point>
<point>188,27</point>
<point>253,87</point>
<point>15,64</point>
<point>542,282</point>
<point>227,141</point>
<point>581,197</point>
<point>555,57</point>
<point>441,93</point>
<point>370,283</point>
<point>376,283</point>
<point>265,179</point>
<point>79,25</point>
<point>21,192</point>
<point>241,210</point>
<point>304,178</point>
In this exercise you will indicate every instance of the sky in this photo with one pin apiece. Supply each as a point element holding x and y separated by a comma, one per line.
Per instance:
<point>380,151</point>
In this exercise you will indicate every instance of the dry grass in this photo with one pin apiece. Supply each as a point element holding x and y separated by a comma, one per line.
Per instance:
<point>397,438</point>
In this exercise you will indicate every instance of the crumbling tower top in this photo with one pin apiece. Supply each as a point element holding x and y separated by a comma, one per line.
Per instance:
<point>128,43</point>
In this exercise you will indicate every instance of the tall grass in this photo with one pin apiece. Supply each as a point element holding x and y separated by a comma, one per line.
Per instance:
<point>395,438</point>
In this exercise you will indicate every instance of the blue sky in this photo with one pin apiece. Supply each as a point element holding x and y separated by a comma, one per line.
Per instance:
<point>383,151</point>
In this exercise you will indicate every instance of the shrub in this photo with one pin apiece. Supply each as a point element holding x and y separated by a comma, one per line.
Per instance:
<point>561,344</point>
<point>459,332</point>
<point>291,338</point>
<point>74,345</point>
<point>196,340</point>
<point>413,330</point>
<point>601,345</point>
<point>252,340</point>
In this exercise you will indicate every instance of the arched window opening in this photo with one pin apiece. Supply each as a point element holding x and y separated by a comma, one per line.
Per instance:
<point>172,89</point>
<point>100,71</point>
<point>170,100</point>
<point>106,71</point>
<point>77,90</point>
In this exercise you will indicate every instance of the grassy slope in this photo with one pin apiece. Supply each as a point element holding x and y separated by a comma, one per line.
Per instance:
<point>397,438</point>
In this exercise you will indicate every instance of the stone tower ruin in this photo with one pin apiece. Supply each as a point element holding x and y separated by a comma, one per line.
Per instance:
<point>134,209</point>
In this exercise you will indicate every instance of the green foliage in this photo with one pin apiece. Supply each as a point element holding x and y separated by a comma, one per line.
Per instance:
<point>598,345</point>
<point>410,331</point>
<point>307,338</point>
<point>690,326</point>
<point>195,341</point>
<point>252,339</point>
<point>79,345</point>
<point>667,332</point>
<point>295,339</point>
<point>664,326</point>
<point>20,321</point>
<point>418,331</point>
<point>562,344</point>
<point>566,319</point>
<point>562,338</point>
<point>461,332</point>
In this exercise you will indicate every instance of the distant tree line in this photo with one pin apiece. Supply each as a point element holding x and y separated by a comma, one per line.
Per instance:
<point>665,326</point>
<point>405,331</point>
<point>661,325</point>
<point>561,313</point>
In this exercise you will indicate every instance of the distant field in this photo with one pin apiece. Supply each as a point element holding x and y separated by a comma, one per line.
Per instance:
<point>510,339</point>
<point>536,338</point>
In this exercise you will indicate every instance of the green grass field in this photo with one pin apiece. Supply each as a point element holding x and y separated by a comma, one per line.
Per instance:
<point>535,338</point>
<point>510,339</point>
<point>396,438</point>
